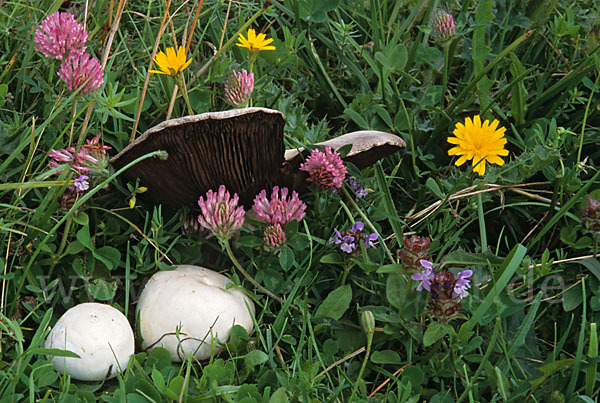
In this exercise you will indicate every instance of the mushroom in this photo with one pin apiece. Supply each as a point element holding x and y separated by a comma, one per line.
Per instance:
<point>99,334</point>
<point>242,149</point>
<point>368,146</point>
<point>188,309</point>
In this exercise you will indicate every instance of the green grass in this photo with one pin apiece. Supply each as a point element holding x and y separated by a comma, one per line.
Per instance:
<point>526,332</point>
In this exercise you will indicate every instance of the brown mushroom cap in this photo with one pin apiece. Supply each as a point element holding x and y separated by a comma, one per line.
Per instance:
<point>242,149</point>
<point>368,146</point>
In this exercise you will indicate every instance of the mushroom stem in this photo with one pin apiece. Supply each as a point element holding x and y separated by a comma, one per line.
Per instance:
<point>251,279</point>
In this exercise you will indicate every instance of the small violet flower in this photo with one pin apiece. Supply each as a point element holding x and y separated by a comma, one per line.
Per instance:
<point>81,184</point>
<point>82,70</point>
<point>60,37</point>
<point>349,240</point>
<point>239,87</point>
<point>462,284</point>
<point>357,187</point>
<point>425,277</point>
<point>221,214</point>
<point>326,169</point>
<point>279,209</point>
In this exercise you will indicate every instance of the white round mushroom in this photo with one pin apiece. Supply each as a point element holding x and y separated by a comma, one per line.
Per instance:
<point>102,337</point>
<point>186,309</point>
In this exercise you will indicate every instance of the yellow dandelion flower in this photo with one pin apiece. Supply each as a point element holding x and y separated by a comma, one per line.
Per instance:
<point>477,142</point>
<point>171,63</point>
<point>255,43</point>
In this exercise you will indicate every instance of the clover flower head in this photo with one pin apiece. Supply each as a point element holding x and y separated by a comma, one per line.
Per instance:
<point>221,214</point>
<point>60,37</point>
<point>326,169</point>
<point>82,70</point>
<point>274,236</point>
<point>462,284</point>
<point>279,209</point>
<point>91,160</point>
<point>442,24</point>
<point>239,87</point>
<point>81,183</point>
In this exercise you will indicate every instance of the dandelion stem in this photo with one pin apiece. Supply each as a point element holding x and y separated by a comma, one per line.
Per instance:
<point>482,232</point>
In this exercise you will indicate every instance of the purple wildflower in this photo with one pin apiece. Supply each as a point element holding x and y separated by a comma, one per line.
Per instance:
<point>280,209</point>
<point>462,284</point>
<point>220,213</point>
<point>60,37</point>
<point>82,70</point>
<point>349,240</point>
<point>326,169</point>
<point>91,158</point>
<point>357,187</point>
<point>274,236</point>
<point>425,277</point>
<point>239,87</point>
<point>81,184</point>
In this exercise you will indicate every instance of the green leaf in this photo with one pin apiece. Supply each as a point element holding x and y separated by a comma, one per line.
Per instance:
<point>593,265</point>
<point>286,258</point>
<point>336,303</point>
<point>81,218</point>
<point>279,396</point>
<point>108,255</point>
<point>3,92</point>
<point>101,289</point>
<point>550,369</point>
<point>254,358</point>
<point>396,290</point>
<point>53,352</point>
<point>83,236</point>
<point>572,298</point>
<point>356,117</point>
<point>398,57</point>
<point>332,258</point>
<point>434,187</point>
<point>434,332</point>
<point>433,96</point>
<point>386,357</point>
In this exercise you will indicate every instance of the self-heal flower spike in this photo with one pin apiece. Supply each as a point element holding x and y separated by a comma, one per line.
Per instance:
<point>481,143</point>
<point>239,87</point>
<point>81,71</point>
<point>274,236</point>
<point>60,37</point>
<point>221,214</point>
<point>326,169</point>
<point>279,209</point>
<point>255,43</point>
<point>462,284</point>
<point>442,24</point>
<point>171,63</point>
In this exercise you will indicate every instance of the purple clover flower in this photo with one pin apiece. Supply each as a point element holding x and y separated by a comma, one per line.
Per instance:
<point>239,87</point>
<point>82,70</point>
<point>326,169</point>
<point>462,284</point>
<point>221,214</point>
<point>279,209</point>
<point>60,37</point>
<point>274,236</point>
<point>442,24</point>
